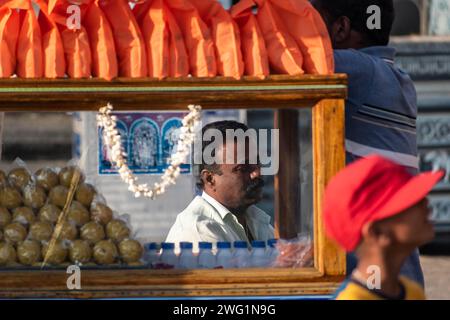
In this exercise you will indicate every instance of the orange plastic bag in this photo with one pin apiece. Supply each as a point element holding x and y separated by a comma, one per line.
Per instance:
<point>254,51</point>
<point>9,33</point>
<point>101,39</point>
<point>52,46</point>
<point>155,31</point>
<point>307,28</point>
<point>225,35</point>
<point>178,57</point>
<point>130,46</point>
<point>284,54</point>
<point>197,37</point>
<point>75,41</point>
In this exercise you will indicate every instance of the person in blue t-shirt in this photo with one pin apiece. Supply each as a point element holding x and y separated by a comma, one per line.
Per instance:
<point>381,108</point>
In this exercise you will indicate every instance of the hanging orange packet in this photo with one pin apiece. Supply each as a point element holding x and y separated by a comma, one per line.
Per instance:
<point>178,57</point>
<point>74,36</point>
<point>284,55</point>
<point>309,31</point>
<point>52,46</point>
<point>130,46</point>
<point>197,37</point>
<point>9,33</point>
<point>226,37</point>
<point>156,36</point>
<point>254,51</point>
<point>101,40</point>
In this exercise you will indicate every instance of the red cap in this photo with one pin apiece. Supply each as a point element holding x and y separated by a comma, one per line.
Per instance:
<point>371,189</point>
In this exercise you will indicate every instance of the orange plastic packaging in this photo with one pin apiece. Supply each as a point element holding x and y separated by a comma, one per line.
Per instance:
<point>52,46</point>
<point>256,61</point>
<point>226,37</point>
<point>129,43</point>
<point>155,31</point>
<point>284,54</point>
<point>75,41</point>
<point>307,28</point>
<point>9,33</point>
<point>101,40</point>
<point>197,38</point>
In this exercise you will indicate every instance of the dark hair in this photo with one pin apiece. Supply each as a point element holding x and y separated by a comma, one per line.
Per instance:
<point>356,11</point>
<point>222,126</point>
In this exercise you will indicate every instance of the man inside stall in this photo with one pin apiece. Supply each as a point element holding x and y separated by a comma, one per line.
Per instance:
<point>231,186</point>
<point>381,107</point>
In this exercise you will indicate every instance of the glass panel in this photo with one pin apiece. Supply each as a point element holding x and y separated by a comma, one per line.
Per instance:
<point>58,140</point>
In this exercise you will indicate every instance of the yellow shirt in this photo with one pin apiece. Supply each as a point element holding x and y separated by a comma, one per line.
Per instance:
<point>356,291</point>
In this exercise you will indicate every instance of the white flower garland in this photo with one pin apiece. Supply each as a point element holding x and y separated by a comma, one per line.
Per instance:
<point>112,140</point>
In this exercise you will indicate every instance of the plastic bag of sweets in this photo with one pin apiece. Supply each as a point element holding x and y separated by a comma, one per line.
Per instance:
<point>295,253</point>
<point>74,36</point>
<point>226,37</point>
<point>9,33</point>
<point>52,45</point>
<point>307,28</point>
<point>284,54</point>
<point>129,43</point>
<point>155,31</point>
<point>197,38</point>
<point>254,52</point>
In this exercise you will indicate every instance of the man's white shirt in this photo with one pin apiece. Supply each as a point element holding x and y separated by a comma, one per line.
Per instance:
<point>206,219</point>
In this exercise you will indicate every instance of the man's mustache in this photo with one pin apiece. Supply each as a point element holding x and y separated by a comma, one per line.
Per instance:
<point>256,184</point>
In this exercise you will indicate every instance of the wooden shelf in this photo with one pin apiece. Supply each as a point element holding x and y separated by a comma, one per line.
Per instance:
<point>276,92</point>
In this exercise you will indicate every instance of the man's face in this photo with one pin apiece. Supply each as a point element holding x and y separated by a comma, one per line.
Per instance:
<point>240,184</point>
<point>412,227</point>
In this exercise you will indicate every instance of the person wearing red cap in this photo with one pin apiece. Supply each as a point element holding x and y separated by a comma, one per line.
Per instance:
<point>377,209</point>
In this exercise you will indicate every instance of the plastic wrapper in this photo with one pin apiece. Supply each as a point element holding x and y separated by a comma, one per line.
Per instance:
<point>9,33</point>
<point>295,253</point>
<point>57,255</point>
<point>101,213</point>
<point>58,196</point>
<point>307,28</point>
<point>75,41</point>
<point>85,194</point>
<point>29,44</point>
<point>29,252</point>
<point>66,175</point>
<point>225,35</point>
<point>128,39</point>
<point>130,250</point>
<point>52,45</point>
<point>285,56</point>
<point>197,37</point>
<point>117,230</point>
<point>10,197</point>
<point>19,178</point>
<point>34,196</point>
<point>24,216</point>
<point>46,178</point>
<point>80,251</point>
<point>101,39</point>
<point>14,232</point>
<point>49,213</point>
<point>254,50</point>
<point>92,232</point>
<point>41,231</point>
<point>78,214</point>
<point>7,254</point>
<point>105,252</point>
<point>5,217</point>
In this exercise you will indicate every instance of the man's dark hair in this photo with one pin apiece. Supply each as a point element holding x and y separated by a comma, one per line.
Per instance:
<point>222,126</point>
<point>356,11</point>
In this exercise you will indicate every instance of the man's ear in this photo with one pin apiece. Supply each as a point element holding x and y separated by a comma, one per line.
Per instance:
<point>374,232</point>
<point>340,31</point>
<point>207,178</point>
